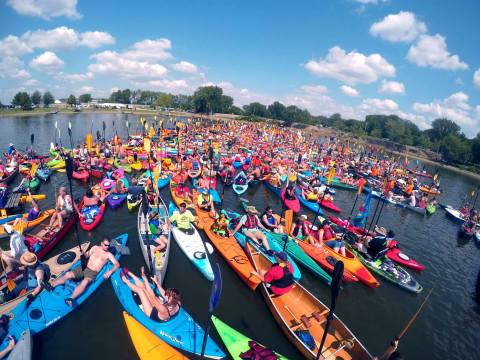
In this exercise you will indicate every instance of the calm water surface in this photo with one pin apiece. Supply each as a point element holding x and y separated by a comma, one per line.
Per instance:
<point>447,328</point>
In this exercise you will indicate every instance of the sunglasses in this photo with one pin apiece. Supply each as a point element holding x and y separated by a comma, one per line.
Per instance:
<point>106,245</point>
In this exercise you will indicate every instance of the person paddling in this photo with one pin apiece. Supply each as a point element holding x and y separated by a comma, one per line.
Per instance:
<point>250,224</point>
<point>279,277</point>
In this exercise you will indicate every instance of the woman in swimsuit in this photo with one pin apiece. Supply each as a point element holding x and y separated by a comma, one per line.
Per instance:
<point>159,309</point>
<point>33,213</point>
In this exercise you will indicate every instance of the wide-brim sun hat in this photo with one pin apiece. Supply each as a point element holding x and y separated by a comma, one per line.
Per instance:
<point>28,258</point>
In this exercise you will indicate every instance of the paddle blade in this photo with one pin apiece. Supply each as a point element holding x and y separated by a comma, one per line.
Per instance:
<point>288,220</point>
<point>33,170</point>
<point>147,144</point>
<point>69,167</point>
<point>89,141</point>
<point>32,138</point>
<point>104,126</point>
<point>216,288</point>
<point>336,281</point>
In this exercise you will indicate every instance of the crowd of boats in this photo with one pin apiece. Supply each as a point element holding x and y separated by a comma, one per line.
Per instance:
<point>199,161</point>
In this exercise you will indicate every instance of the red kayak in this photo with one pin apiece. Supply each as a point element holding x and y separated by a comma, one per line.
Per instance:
<point>88,223</point>
<point>81,175</point>
<point>401,258</point>
<point>292,204</point>
<point>96,173</point>
<point>354,229</point>
<point>330,205</point>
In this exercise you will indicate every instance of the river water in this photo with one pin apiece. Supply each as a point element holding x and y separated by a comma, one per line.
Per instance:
<point>447,328</point>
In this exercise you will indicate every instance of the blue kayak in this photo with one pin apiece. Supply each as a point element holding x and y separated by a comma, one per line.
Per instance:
<point>242,239</point>
<point>43,173</point>
<point>240,183</point>
<point>116,200</point>
<point>49,307</point>
<point>213,193</point>
<point>181,331</point>
<point>310,205</point>
<point>162,182</point>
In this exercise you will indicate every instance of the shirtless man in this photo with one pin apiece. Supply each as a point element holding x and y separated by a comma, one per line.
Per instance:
<point>97,258</point>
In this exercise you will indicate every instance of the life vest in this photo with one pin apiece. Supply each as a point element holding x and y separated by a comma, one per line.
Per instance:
<point>328,234</point>
<point>285,281</point>
<point>251,222</point>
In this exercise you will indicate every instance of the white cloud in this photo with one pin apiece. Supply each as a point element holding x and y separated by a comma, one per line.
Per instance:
<point>173,86</point>
<point>11,45</point>
<point>85,90</point>
<point>352,67</point>
<point>96,39</point>
<point>113,63</point>
<point>48,62</point>
<point>455,108</point>
<point>149,50</point>
<point>30,83</point>
<point>379,106</point>
<point>46,9</point>
<point>314,89</point>
<point>186,67</point>
<point>476,77</point>
<point>368,2</point>
<point>392,87</point>
<point>59,38</point>
<point>349,91</point>
<point>75,77</point>
<point>12,67</point>
<point>431,50</point>
<point>401,27</point>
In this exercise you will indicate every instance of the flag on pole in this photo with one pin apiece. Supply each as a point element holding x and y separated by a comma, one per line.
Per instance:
<point>331,174</point>
<point>362,215</point>
<point>361,183</point>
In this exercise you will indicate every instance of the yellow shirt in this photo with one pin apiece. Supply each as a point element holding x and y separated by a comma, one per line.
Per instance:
<point>183,220</point>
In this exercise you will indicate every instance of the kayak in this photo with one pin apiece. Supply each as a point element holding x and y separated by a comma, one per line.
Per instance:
<point>213,193</point>
<point>92,215</point>
<point>235,342</point>
<point>115,200</point>
<point>163,182</point>
<point>401,258</point>
<point>38,317</point>
<point>300,256</point>
<point>177,200</point>
<point>477,236</point>
<point>429,191</point>
<point>81,175</point>
<point>430,209</point>
<point>9,218</point>
<point>465,231</point>
<point>56,164</point>
<point>180,331</point>
<point>23,347</point>
<point>133,202</point>
<point>240,183</point>
<point>34,184</point>
<point>126,167</point>
<point>299,310</point>
<point>43,173</point>
<point>9,176</point>
<point>310,205</point>
<point>349,227</point>
<point>325,260</point>
<point>242,240</point>
<point>292,204</point>
<point>389,271</point>
<point>195,171</point>
<point>228,247</point>
<point>455,214</point>
<point>107,184</point>
<point>159,260</point>
<point>148,345</point>
<point>192,246</point>
<point>25,225</point>
<point>57,265</point>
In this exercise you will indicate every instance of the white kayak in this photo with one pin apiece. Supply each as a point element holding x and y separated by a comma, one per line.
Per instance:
<point>193,247</point>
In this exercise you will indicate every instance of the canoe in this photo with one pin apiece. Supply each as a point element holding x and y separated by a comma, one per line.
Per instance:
<point>240,183</point>
<point>391,272</point>
<point>25,225</point>
<point>242,240</point>
<point>115,200</point>
<point>88,224</point>
<point>325,260</point>
<point>300,311</point>
<point>158,260</point>
<point>401,258</point>
<point>235,342</point>
<point>230,250</point>
<point>57,264</point>
<point>81,175</point>
<point>292,204</point>
<point>23,347</point>
<point>38,317</point>
<point>148,345</point>
<point>310,205</point>
<point>181,331</point>
<point>299,255</point>
<point>193,247</point>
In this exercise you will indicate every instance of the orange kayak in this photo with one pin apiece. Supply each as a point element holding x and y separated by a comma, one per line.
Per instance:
<point>229,248</point>
<point>429,191</point>
<point>25,225</point>
<point>177,199</point>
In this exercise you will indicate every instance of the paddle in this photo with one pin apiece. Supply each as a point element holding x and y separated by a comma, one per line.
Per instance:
<point>70,134</point>
<point>104,126</point>
<point>334,290</point>
<point>145,208</point>
<point>69,170</point>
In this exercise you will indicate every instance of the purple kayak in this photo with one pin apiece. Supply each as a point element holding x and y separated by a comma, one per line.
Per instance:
<point>115,200</point>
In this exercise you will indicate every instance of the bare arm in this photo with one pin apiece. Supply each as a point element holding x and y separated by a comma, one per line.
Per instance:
<point>115,263</point>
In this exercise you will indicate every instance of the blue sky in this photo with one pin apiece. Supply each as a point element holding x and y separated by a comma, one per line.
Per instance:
<point>417,59</point>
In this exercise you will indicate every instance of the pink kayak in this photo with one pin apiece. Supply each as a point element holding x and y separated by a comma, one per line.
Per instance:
<point>81,175</point>
<point>293,204</point>
<point>401,258</point>
<point>343,223</point>
<point>330,205</point>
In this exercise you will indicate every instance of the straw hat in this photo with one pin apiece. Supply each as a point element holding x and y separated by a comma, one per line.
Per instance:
<point>252,209</point>
<point>28,258</point>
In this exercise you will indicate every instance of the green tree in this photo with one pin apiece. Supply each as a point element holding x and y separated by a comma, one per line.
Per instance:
<point>36,98</point>
<point>277,110</point>
<point>208,99</point>
<point>475,149</point>
<point>23,100</point>
<point>256,109</point>
<point>236,110</point>
<point>183,102</point>
<point>48,98</point>
<point>72,100</point>
<point>456,148</point>
<point>121,96</point>
<point>85,98</point>
<point>164,100</point>
<point>441,128</point>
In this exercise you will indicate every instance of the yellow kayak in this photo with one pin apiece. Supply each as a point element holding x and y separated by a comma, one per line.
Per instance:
<point>25,225</point>
<point>147,344</point>
<point>137,166</point>
<point>59,165</point>
<point>26,198</point>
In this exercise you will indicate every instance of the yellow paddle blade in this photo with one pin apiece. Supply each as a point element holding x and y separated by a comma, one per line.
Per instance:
<point>146,144</point>
<point>61,170</point>
<point>33,170</point>
<point>89,141</point>
<point>288,220</point>
<point>151,132</point>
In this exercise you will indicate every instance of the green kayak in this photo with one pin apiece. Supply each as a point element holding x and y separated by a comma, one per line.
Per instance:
<point>297,253</point>
<point>34,184</point>
<point>126,167</point>
<point>340,185</point>
<point>430,209</point>
<point>235,341</point>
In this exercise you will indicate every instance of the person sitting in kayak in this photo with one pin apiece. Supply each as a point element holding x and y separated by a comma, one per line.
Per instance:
<point>11,149</point>
<point>205,203</point>
<point>270,221</point>
<point>134,189</point>
<point>157,229</point>
<point>91,203</point>
<point>301,230</point>
<point>97,257</point>
<point>220,226</point>
<point>249,223</point>
<point>378,245</point>
<point>203,183</point>
<point>290,193</point>
<point>119,187</point>
<point>422,203</point>
<point>159,309</point>
<point>33,213</point>
<point>64,208</point>
<point>279,277</point>
<point>311,196</point>
<point>183,218</point>
<point>329,237</point>
<point>17,248</point>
